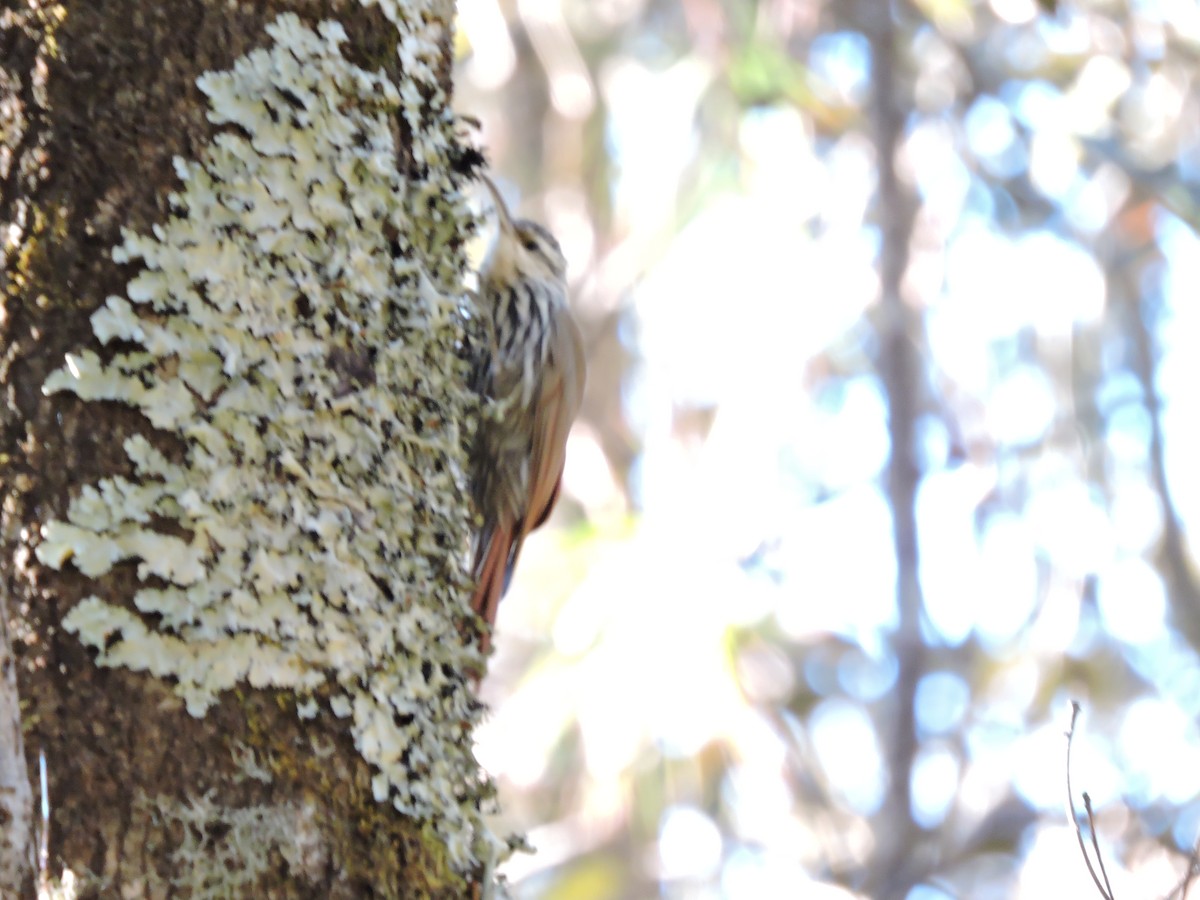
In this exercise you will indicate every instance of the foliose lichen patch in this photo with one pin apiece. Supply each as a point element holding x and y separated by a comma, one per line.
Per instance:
<point>297,322</point>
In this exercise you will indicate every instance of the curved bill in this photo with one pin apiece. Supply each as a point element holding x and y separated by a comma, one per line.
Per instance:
<point>506,222</point>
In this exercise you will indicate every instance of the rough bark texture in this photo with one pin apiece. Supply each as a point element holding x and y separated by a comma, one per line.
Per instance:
<point>95,101</point>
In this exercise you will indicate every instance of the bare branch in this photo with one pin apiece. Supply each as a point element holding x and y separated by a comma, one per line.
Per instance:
<point>1185,882</point>
<point>1106,894</point>
<point>899,368</point>
<point>1087,805</point>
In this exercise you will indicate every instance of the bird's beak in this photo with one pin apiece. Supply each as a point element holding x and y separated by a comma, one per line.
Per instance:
<point>506,222</point>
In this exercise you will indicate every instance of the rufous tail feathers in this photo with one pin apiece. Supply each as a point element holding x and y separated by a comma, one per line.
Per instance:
<point>496,561</point>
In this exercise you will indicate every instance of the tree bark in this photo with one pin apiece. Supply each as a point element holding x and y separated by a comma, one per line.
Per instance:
<point>276,709</point>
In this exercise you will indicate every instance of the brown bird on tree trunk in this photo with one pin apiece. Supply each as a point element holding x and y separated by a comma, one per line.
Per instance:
<point>534,373</point>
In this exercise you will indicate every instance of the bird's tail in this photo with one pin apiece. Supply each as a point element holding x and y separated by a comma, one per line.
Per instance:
<point>493,567</point>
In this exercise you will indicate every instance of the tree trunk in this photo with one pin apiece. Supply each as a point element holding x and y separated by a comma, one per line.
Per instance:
<point>232,449</point>
<point>895,867</point>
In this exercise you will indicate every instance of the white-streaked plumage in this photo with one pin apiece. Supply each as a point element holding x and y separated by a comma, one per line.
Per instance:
<point>534,372</point>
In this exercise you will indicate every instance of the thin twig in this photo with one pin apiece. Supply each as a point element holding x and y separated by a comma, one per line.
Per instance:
<point>1106,894</point>
<point>1087,805</point>
<point>1185,882</point>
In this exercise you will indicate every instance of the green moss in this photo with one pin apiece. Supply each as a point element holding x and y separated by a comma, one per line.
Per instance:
<point>32,269</point>
<point>51,17</point>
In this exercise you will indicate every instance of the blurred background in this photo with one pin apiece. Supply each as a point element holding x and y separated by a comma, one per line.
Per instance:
<point>889,450</point>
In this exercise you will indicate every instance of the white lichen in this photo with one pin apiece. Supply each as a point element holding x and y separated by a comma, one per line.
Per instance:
<point>296,323</point>
<point>224,851</point>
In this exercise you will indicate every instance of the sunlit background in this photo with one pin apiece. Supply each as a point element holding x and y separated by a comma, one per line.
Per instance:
<point>711,680</point>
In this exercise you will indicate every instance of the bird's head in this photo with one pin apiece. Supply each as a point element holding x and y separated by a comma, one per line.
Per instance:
<point>523,248</point>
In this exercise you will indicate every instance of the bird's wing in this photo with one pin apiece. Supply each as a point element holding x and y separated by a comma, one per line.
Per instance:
<point>555,408</point>
<point>554,411</point>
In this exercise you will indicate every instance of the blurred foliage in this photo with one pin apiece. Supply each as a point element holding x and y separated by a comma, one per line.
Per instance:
<point>698,674</point>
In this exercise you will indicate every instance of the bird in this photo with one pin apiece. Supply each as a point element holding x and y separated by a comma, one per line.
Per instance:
<point>533,372</point>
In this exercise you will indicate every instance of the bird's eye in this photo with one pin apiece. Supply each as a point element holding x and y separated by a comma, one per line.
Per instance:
<point>529,244</point>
